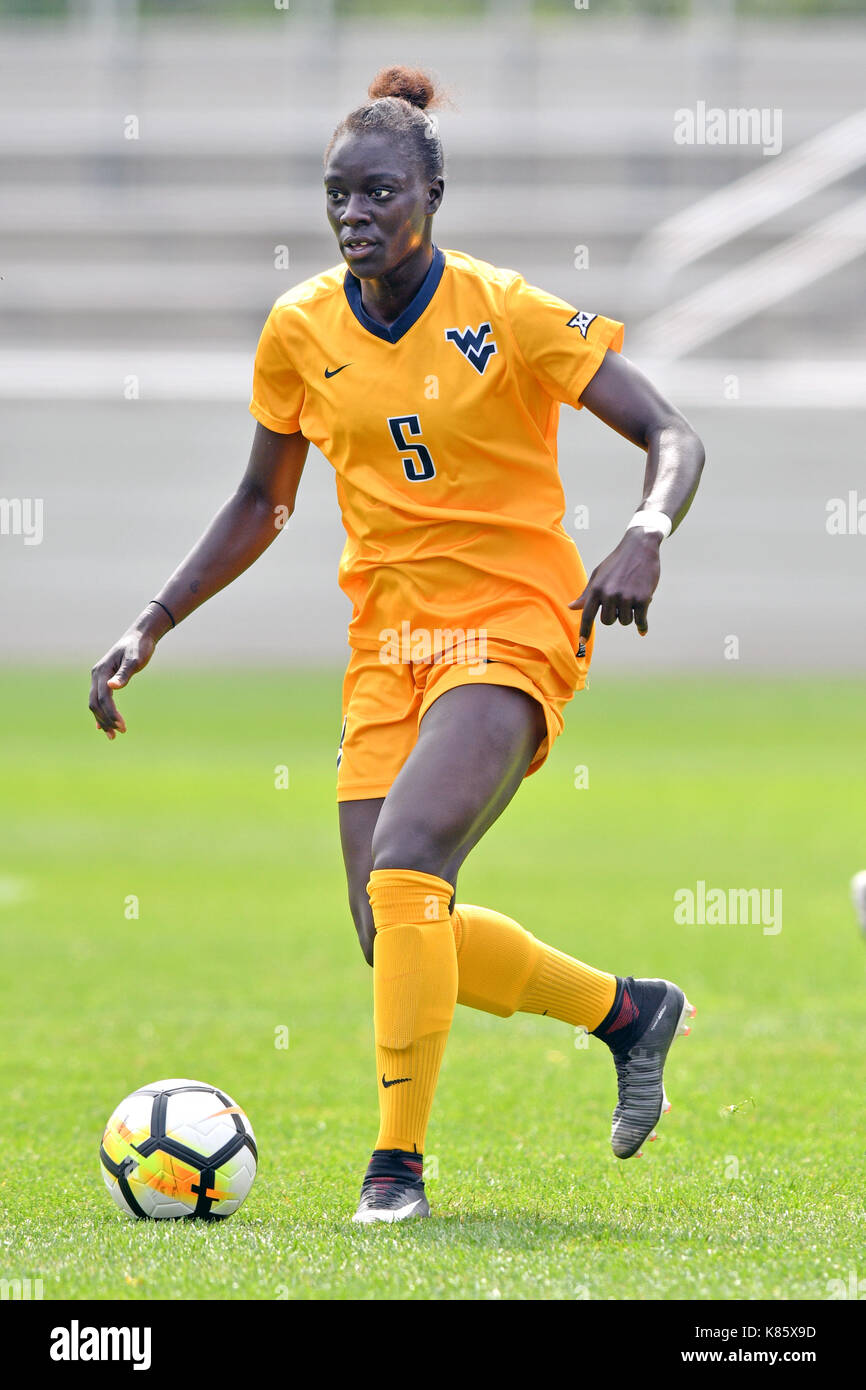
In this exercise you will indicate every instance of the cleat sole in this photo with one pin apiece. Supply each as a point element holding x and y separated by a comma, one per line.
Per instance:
<point>369,1218</point>
<point>371,1215</point>
<point>683,1029</point>
<point>688,1012</point>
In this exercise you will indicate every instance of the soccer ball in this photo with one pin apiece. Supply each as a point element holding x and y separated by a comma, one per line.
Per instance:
<point>178,1148</point>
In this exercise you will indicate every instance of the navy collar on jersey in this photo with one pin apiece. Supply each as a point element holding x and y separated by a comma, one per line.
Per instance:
<point>413,311</point>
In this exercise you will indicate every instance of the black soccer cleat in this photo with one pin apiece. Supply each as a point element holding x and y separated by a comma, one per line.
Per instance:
<point>649,1015</point>
<point>393,1188</point>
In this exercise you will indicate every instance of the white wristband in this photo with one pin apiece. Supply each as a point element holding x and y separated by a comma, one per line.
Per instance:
<point>652,521</point>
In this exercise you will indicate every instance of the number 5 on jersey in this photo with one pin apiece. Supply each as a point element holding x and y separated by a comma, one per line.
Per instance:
<point>417,463</point>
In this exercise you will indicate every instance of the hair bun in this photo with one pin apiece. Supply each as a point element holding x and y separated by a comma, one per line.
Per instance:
<point>410,84</point>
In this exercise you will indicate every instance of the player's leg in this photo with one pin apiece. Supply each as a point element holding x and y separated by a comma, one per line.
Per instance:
<point>501,967</point>
<point>474,745</point>
<point>473,749</point>
<point>357,823</point>
<point>393,1186</point>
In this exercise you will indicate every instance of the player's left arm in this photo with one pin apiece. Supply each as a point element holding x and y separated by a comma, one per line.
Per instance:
<point>621,587</point>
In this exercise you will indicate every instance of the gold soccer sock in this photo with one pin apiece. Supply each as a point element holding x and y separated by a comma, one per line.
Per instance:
<point>503,969</point>
<point>414,993</point>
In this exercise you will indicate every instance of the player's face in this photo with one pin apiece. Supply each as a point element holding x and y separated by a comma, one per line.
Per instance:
<point>379,203</point>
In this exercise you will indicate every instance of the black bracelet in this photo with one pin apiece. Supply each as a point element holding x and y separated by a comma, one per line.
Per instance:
<point>164,609</point>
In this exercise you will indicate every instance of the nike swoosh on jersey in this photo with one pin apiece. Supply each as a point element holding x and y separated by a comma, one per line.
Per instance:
<point>337,369</point>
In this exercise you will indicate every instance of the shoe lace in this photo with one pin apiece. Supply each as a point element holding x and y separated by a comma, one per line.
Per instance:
<point>388,1191</point>
<point>634,1071</point>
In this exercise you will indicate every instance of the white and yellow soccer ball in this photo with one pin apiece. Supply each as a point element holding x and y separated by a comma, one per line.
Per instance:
<point>178,1148</point>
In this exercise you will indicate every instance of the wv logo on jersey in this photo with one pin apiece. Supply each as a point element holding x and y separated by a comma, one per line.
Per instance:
<point>471,343</point>
<point>581,321</point>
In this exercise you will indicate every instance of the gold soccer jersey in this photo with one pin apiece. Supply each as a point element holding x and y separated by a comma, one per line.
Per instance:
<point>441,430</point>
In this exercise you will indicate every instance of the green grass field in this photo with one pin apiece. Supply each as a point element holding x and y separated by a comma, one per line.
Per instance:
<point>755,1187</point>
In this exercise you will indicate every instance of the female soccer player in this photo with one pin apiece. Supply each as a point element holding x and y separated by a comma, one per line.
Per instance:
<point>432,381</point>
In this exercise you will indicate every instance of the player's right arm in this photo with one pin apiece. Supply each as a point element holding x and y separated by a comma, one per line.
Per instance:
<point>239,533</point>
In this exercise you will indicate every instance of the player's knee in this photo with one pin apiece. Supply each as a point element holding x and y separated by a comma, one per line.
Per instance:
<point>412,846</point>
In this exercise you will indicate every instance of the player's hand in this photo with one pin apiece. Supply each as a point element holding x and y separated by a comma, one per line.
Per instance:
<point>620,589</point>
<point>116,669</point>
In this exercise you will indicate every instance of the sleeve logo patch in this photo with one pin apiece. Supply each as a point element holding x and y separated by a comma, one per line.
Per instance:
<point>581,321</point>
